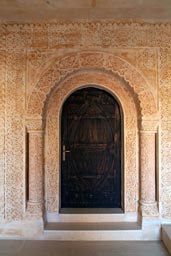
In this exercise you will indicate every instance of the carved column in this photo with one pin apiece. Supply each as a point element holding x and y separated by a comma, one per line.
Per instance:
<point>35,163</point>
<point>148,168</point>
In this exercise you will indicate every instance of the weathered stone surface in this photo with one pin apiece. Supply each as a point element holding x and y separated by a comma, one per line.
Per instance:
<point>15,135</point>
<point>2,132</point>
<point>63,9</point>
<point>39,61</point>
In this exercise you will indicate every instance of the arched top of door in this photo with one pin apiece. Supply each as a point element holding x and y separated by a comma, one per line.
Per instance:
<point>87,62</point>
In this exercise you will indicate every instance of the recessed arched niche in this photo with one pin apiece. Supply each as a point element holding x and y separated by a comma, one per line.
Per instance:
<point>114,88</point>
<point>138,131</point>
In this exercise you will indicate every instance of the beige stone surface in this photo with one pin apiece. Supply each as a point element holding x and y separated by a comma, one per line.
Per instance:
<point>2,133</point>
<point>131,59</point>
<point>166,236</point>
<point>22,10</point>
<point>23,229</point>
<point>53,248</point>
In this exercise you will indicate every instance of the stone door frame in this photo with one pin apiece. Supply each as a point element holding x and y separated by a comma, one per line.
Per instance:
<point>125,82</point>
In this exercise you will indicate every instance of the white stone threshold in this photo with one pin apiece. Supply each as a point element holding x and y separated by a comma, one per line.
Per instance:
<point>92,226</point>
<point>150,229</point>
<point>91,217</point>
<point>93,231</point>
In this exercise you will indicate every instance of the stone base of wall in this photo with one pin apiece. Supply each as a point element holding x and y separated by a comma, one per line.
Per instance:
<point>25,229</point>
<point>149,229</point>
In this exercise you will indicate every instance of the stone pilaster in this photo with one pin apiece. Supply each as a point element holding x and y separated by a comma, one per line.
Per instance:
<point>148,168</point>
<point>35,162</point>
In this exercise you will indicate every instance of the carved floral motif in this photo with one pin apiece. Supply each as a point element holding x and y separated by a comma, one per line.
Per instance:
<point>14,135</point>
<point>138,52</point>
<point>92,60</point>
<point>165,93</point>
<point>165,66</point>
<point>84,33</point>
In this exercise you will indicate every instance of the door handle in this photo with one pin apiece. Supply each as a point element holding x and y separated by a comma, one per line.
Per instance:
<point>64,151</point>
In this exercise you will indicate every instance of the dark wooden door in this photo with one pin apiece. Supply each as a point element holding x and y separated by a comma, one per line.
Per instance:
<point>91,150</point>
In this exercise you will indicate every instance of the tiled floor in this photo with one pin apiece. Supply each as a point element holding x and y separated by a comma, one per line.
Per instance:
<point>56,248</point>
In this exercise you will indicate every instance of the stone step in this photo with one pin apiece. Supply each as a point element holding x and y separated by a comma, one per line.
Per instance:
<point>166,236</point>
<point>92,231</point>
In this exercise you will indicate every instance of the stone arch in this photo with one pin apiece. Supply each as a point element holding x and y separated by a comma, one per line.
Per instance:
<point>126,81</point>
<point>118,88</point>
<point>72,62</point>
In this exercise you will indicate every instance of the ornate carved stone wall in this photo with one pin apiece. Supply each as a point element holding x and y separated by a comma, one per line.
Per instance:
<point>15,134</point>
<point>165,113</point>
<point>2,122</point>
<point>90,59</point>
<point>39,55</point>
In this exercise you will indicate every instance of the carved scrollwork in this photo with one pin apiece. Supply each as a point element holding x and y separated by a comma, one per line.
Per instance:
<point>82,60</point>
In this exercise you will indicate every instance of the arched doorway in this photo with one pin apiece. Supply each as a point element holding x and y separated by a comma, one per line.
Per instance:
<point>91,136</point>
<point>115,87</point>
<point>45,103</point>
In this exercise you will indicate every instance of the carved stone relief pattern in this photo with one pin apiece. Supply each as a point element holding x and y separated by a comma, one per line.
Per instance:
<point>2,38</point>
<point>40,36</point>
<point>35,60</point>
<point>134,44</point>
<point>165,93</point>
<point>165,111</point>
<point>148,166</point>
<point>52,159</point>
<point>38,61</point>
<point>88,34</point>
<point>35,167</point>
<point>65,35</point>
<point>15,105</point>
<point>165,66</point>
<point>34,125</point>
<point>52,135</point>
<point>19,37</point>
<point>2,131</point>
<point>131,189</point>
<point>82,60</point>
<point>144,60</point>
<point>165,195</point>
